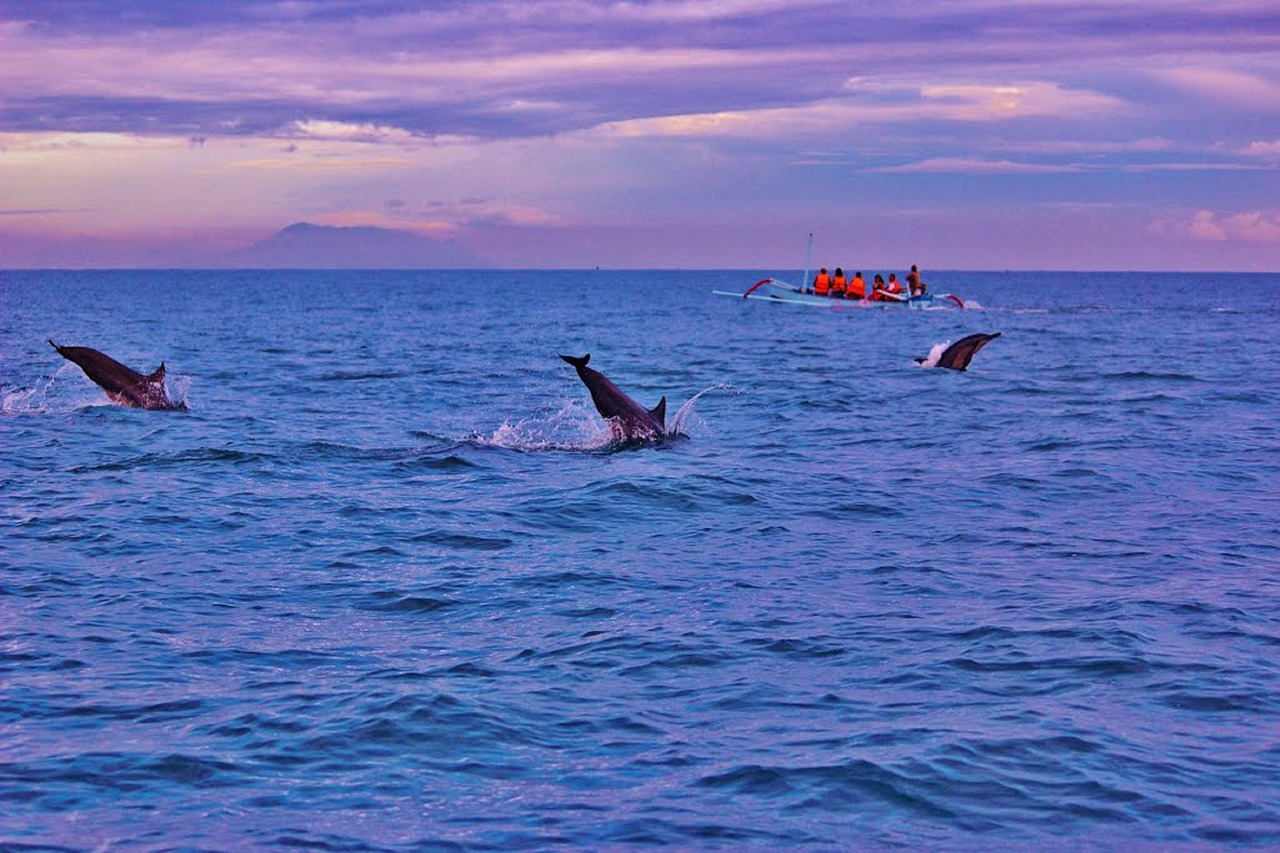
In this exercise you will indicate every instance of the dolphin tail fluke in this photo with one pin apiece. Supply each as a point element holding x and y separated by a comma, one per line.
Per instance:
<point>158,376</point>
<point>577,362</point>
<point>659,412</point>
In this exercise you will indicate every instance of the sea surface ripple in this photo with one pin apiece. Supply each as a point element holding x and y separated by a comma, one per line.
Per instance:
<point>387,585</point>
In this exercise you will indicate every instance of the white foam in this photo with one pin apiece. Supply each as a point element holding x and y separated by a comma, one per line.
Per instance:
<point>573,427</point>
<point>934,354</point>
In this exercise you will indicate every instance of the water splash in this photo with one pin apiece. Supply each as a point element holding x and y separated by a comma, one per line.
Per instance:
<point>576,427</point>
<point>50,396</point>
<point>573,427</point>
<point>685,421</point>
<point>38,399</point>
<point>931,360</point>
<point>24,400</point>
<point>178,387</point>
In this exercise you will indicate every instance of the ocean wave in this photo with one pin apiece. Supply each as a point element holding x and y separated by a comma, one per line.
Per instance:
<point>430,603</point>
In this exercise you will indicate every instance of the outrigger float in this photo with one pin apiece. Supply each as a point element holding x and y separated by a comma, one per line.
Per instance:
<point>775,290</point>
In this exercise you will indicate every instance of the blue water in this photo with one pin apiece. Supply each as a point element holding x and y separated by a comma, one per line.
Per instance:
<point>388,586</point>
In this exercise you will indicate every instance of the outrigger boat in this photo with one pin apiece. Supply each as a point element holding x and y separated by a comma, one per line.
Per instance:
<point>776,290</point>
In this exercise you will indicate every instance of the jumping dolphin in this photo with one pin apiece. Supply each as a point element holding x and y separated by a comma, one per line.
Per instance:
<point>627,418</point>
<point>124,386</point>
<point>958,355</point>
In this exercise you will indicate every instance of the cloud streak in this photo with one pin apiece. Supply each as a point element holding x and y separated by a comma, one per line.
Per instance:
<point>568,65</point>
<point>962,166</point>
<point>1254,226</point>
<point>569,113</point>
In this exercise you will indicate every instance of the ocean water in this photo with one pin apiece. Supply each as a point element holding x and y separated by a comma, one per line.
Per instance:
<point>387,585</point>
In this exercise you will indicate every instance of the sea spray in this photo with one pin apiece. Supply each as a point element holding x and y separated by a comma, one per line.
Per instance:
<point>572,427</point>
<point>42,397</point>
<point>931,360</point>
<point>685,421</point>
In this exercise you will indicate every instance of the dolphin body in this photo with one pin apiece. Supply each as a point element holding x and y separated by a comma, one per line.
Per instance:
<point>124,385</point>
<point>627,418</point>
<point>958,355</point>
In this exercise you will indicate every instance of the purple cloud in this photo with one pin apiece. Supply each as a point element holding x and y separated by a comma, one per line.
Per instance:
<point>568,113</point>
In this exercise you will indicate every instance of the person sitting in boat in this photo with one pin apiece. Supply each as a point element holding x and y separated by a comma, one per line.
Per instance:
<point>877,289</point>
<point>839,284</point>
<point>894,286</point>
<point>915,285</point>
<point>857,288</point>
<point>822,282</point>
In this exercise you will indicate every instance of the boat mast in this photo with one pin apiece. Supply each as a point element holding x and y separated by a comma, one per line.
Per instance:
<point>808,256</point>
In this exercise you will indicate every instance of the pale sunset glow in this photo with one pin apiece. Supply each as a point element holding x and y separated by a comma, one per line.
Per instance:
<point>739,126</point>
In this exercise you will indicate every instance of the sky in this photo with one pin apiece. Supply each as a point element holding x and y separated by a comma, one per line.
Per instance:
<point>965,134</point>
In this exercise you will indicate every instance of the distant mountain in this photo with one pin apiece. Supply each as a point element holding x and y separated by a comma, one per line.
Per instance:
<point>306,246</point>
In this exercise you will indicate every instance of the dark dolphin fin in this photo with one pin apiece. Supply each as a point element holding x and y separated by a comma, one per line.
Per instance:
<point>959,355</point>
<point>158,376</point>
<point>979,343</point>
<point>659,412</point>
<point>576,362</point>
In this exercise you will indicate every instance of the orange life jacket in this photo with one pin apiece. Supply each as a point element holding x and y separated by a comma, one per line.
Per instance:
<point>822,284</point>
<point>838,284</point>
<point>893,286</point>
<point>857,288</point>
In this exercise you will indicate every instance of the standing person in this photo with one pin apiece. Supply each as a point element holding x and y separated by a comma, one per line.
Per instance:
<point>838,284</point>
<point>822,282</point>
<point>914,283</point>
<point>857,287</point>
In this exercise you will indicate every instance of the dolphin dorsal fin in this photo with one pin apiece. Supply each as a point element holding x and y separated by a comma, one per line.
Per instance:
<point>659,412</point>
<point>158,376</point>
